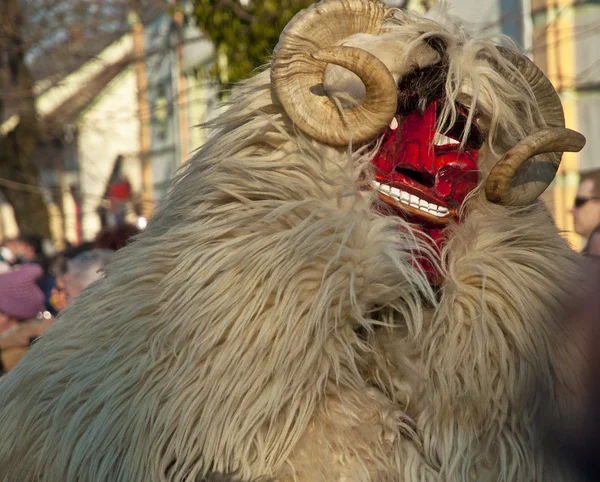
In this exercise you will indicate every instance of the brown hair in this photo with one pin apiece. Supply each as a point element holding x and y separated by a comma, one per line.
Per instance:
<point>115,237</point>
<point>595,177</point>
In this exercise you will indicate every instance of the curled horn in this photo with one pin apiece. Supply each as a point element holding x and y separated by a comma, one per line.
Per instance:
<point>305,47</point>
<point>508,183</point>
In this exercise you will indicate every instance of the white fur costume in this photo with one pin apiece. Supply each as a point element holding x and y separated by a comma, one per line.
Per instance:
<point>270,323</point>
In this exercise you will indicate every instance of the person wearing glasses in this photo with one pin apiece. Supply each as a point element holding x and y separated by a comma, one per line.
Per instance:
<point>586,209</point>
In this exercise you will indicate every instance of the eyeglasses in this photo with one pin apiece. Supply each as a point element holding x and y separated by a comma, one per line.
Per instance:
<point>580,201</point>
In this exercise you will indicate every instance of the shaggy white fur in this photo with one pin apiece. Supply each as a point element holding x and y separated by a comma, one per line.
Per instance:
<point>269,323</point>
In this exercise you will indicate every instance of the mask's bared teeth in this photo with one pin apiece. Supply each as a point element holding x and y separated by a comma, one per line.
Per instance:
<point>411,200</point>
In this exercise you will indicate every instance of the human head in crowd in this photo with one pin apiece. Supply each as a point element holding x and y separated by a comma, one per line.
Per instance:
<point>27,249</point>
<point>58,264</point>
<point>115,237</point>
<point>81,271</point>
<point>21,298</point>
<point>24,249</point>
<point>586,209</point>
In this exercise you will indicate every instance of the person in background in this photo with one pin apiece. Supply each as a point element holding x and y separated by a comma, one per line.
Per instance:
<point>30,249</point>
<point>58,267</point>
<point>81,271</point>
<point>586,209</point>
<point>25,249</point>
<point>117,195</point>
<point>21,304</point>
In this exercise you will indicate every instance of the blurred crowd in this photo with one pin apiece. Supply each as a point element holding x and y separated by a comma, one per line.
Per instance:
<point>586,212</point>
<point>35,285</point>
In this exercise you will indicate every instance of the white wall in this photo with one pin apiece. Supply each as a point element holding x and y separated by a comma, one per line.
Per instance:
<point>52,96</point>
<point>482,15</point>
<point>492,17</point>
<point>110,127</point>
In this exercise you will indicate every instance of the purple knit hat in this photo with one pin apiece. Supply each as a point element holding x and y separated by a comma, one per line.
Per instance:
<point>20,296</point>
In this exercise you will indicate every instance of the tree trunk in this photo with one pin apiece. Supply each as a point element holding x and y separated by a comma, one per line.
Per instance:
<point>19,172</point>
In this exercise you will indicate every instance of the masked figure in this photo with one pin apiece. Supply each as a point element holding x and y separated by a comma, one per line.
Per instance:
<point>424,175</point>
<point>353,280</point>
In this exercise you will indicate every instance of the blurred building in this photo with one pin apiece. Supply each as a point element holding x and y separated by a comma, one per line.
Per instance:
<point>116,127</point>
<point>566,36</point>
<point>504,17</point>
<point>562,37</point>
<point>89,118</point>
<point>181,94</point>
<point>120,123</point>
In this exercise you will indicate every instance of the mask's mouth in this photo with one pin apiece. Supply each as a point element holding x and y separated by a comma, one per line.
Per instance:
<point>413,204</point>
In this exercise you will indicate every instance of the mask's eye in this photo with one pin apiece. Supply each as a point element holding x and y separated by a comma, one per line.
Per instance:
<point>444,140</point>
<point>456,132</point>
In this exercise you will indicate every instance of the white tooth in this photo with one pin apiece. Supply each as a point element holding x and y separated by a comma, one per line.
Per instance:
<point>396,192</point>
<point>384,188</point>
<point>376,184</point>
<point>414,199</point>
<point>394,124</point>
<point>442,210</point>
<point>404,195</point>
<point>423,203</point>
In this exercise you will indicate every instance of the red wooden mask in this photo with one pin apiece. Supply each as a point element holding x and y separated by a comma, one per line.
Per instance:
<point>424,175</point>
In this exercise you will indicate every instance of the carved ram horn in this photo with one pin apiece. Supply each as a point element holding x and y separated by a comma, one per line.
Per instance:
<point>305,47</point>
<point>508,183</point>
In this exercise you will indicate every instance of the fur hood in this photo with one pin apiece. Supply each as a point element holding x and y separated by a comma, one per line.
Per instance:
<point>271,323</point>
